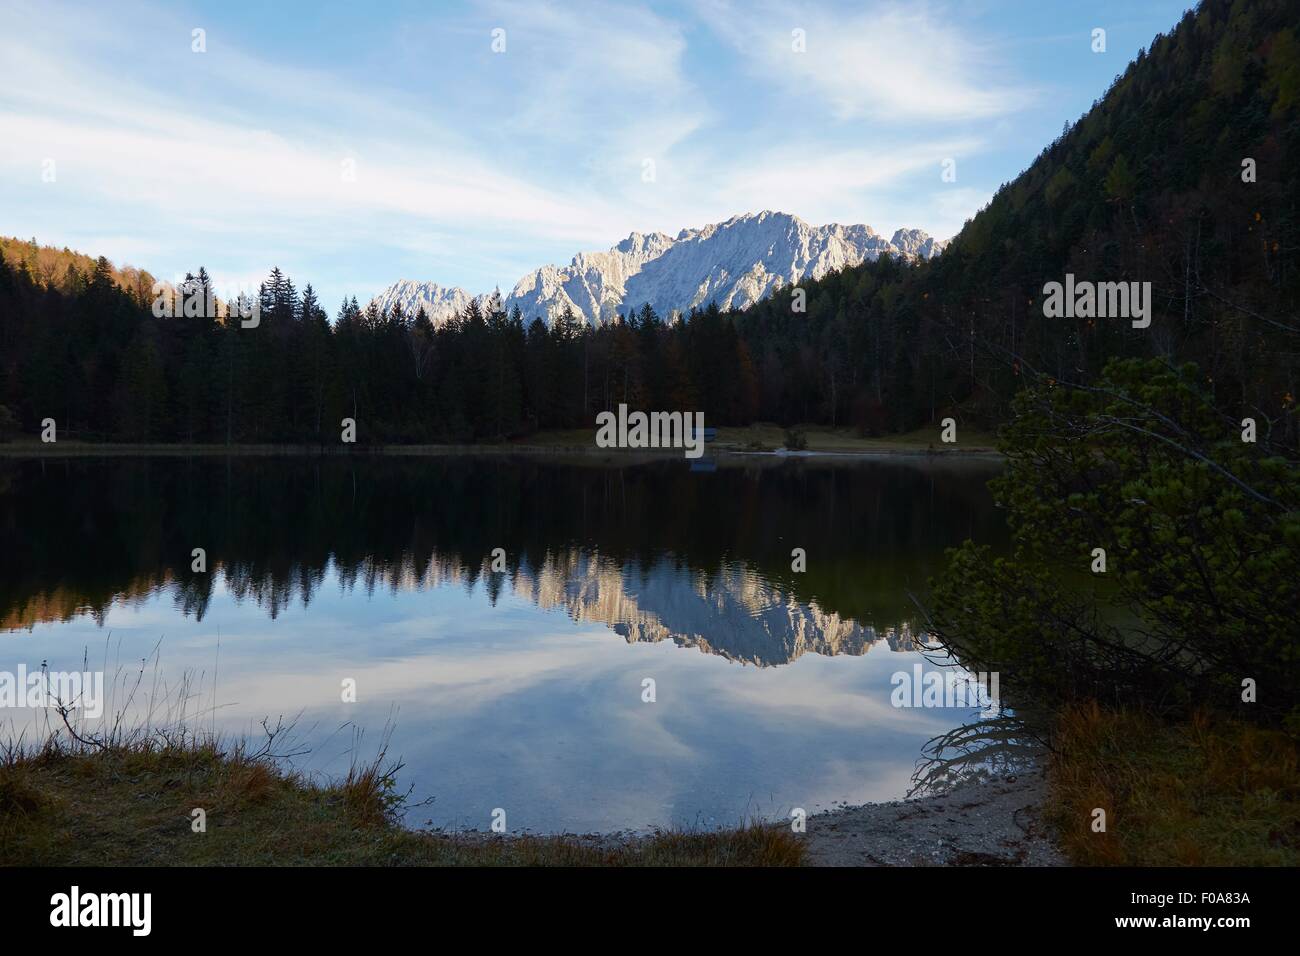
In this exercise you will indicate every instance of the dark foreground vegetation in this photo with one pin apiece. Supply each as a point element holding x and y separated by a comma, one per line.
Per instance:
<point>1154,554</point>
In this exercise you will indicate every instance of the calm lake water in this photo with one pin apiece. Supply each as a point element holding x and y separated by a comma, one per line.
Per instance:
<point>520,689</point>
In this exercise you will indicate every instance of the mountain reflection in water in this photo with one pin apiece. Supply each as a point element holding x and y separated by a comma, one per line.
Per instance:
<point>381,569</point>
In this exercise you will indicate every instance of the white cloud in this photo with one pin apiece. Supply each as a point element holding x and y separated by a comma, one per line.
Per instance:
<point>892,62</point>
<point>125,150</point>
<point>815,184</point>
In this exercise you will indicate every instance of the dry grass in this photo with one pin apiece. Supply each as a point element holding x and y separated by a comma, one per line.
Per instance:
<point>20,797</point>
<point>130,804</point>
<point>1206,792</point>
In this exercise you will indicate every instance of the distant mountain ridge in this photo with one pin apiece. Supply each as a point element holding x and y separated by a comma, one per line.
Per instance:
<point>735,263</point>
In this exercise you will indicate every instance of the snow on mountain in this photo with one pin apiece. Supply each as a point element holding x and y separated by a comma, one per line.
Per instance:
<point>914,242</point>
<point>440,302</point>
<point>735,263</point>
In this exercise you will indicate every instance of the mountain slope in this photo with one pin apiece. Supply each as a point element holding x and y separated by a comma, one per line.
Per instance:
<point>1184,174</point>
<point>735,263</point>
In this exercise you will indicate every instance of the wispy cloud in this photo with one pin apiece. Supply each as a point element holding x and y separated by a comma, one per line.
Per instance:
<point>884,61</point>
<point>113,140</point>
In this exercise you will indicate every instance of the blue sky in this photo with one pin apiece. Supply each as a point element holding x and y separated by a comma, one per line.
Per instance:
<point>360,143</point>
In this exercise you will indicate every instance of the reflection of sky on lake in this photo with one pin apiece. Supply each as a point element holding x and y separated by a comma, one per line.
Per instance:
<point>535,704</point>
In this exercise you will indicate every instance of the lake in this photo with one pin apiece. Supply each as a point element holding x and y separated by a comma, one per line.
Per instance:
<point>646,657</point>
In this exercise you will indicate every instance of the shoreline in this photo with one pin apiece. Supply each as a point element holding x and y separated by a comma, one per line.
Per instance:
<point>995,822</point>
<point>36,450</point>
<point>88,807</point>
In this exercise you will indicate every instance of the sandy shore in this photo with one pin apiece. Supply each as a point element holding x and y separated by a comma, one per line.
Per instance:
<point>997,823</point>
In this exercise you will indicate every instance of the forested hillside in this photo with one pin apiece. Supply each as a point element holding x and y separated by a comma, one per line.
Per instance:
<point>1148,186</point>
<point>1182,175</point>
<point>67,270</point>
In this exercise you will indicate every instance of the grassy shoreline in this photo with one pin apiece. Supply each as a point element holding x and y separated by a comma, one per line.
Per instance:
<point>133,805</point>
